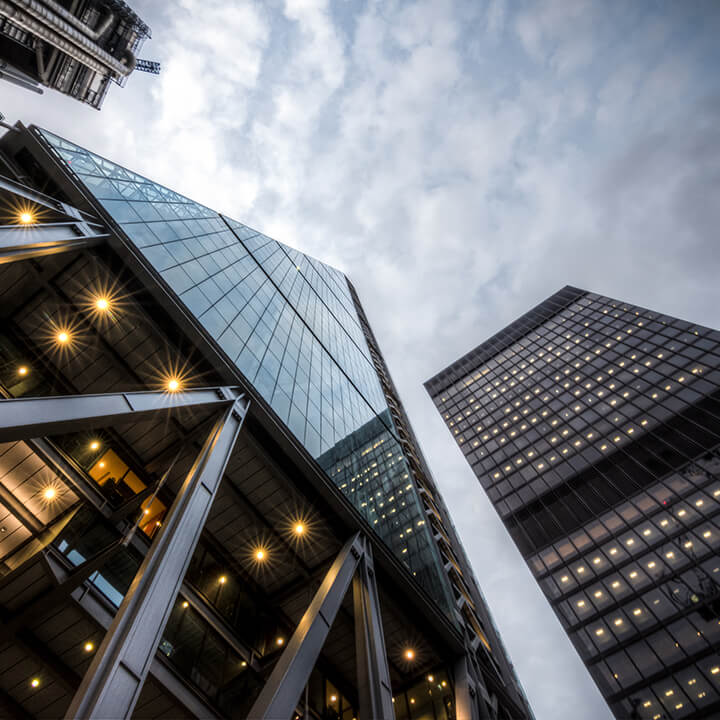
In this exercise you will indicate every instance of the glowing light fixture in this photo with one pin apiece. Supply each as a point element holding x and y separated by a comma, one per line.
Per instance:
<point>95,445</point>
<point>409,654</point>
<point>185,604</point>
<point>49,493</point>
<point>63,337</point>
<point>26,217</point>
<point>280,641</point>
<point>102,304</point>
<point>222,579</point>
<point>22,370</point>
<point>35,682</point>
<point>88,647</point>
<point>299,529</point>
<point>260,554</point>
<point>173,385</point>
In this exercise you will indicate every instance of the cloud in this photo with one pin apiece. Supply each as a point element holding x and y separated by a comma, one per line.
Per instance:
<point>460,161</point>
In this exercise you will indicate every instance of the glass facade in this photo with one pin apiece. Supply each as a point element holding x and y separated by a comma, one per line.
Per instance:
<point>594,427</point>
<point>291,326</point>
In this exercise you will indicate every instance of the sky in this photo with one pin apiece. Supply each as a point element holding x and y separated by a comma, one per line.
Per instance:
<point>460,161</point>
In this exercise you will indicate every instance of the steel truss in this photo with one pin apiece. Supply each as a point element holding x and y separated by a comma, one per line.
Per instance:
<point>281,693</point>
<point>112,684</point>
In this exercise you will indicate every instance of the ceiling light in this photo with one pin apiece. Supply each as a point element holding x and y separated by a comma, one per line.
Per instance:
<point>95,445</point>
<point>26,217</point>
<point>173,385</point>
<point>35,682</point>
<point>88,647</point>
<point>22,370</point>
<point>63,337</point>
<point>50,493</point>
<point>409,654</point>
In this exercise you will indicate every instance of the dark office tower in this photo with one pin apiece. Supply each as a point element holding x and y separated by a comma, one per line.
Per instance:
<point>77,47</point>
<point>593,426</point>
<point>201,449</point>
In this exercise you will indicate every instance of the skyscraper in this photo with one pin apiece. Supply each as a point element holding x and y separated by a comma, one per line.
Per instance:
<point>202,449</point>
<point>593,425</point>
<point>77,48</point>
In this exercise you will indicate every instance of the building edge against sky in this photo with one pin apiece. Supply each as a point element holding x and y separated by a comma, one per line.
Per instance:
<point>295,329</point>
<point>593,425</point>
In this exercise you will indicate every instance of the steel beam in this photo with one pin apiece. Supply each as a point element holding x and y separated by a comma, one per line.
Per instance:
<point>281,693</point>
<point>373,674</point>
<point>24,418</point>
<point>19,511</point>
<point>70,472</point>
<point>113,682</point>
<point>20,242</point>
<point>30,194</point>
<point>53,598</point>
<point>466,700</point>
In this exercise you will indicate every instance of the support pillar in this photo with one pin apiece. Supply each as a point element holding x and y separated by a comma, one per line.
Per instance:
<point>466,701</point>
<point>373,674</point>
<point>281,693</point>
<point>114,680</point>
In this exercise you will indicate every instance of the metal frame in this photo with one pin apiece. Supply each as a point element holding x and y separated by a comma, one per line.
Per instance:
<point>283,689</point>
<point>32,417</point>
<point>112,684</point>
<point>466,705</point>
<point>60,227</point>
<point>373,675</point>
<point>21,242</point>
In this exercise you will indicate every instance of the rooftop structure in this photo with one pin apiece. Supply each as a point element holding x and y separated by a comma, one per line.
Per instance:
<point>77,47</point>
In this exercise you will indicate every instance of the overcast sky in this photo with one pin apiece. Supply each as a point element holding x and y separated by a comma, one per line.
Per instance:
<point>460,161</point>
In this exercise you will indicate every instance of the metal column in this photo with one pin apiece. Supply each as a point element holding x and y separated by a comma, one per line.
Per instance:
<point>466,703</point>
<point>373,674</point>
<point>281,693</point>
<point>114,680</point>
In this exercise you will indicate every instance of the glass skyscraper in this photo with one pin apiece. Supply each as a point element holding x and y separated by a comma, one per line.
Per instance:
<point>593,425</point>
<point>200,300</point>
